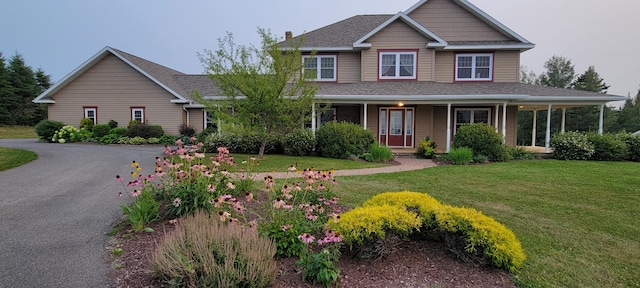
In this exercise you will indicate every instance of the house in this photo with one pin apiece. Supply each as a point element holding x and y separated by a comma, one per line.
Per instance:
<point>405,76</point>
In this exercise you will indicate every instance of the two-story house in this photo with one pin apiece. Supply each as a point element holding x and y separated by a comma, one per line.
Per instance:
<point>422,72</point>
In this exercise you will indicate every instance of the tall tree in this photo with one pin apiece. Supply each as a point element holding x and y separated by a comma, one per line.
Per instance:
<point>560,72</point>
<point>587,118</point>
<point>629,115</point>
<point>23,82</point>
<point>527,76</point>
<point>262,86</point>
<point>43,82</point>
<point>7,100</point>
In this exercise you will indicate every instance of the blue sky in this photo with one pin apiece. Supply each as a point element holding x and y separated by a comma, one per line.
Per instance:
<point>60,35</point>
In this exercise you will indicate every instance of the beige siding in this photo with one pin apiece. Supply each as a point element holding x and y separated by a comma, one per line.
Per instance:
<point>506,66</point>
<point>113,87</point>
<point>445,66</point>
<point>397,36</point>
<point>196,119</point>
<point>439,134</point>
<point>453,23</point>
<point>372,118</point>
<point>424,123</point>
<point>349,67</point>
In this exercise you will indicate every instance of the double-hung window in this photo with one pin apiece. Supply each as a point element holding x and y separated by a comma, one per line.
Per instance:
<point>474,67</point>
<point>397,65</point>
<point>472,115</point>
<point>320,67</point>
<point>91,113</point>
<point>137,113</point>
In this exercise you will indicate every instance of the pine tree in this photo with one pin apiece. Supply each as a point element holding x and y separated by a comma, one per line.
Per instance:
<point>23,81</point>
<point>587,118</point>
<point>629,115</point>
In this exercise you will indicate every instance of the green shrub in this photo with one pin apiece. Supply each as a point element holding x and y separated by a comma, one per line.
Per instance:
<point>343,140</point>
<point>86,123</point>
<point>424,205</point>
<point>426,148</point>
<point>153,140</point>
<point>633,145</point>
<point>112,124</point>
<point>520,153</point>
<point>483,140</point>
<point>133,122</point>
<point>608,147</point>
<point>243,141</point>
<point>142,211</point>
<point>460,155</point>
<point>378,153</point>
<point>167,140</point>
<point>136,141</point>
<point>572,146</point>
<point>203,252</point>
<point>186,130</point>
<point>283,228</point>
<point>118,131</point>
<point>109,139</point>
<point>299,142</point>
<point>45,129</point>
<point>144,130</point>
<point>206,132</point>
<point>71,134</point>
<point>100,130</point>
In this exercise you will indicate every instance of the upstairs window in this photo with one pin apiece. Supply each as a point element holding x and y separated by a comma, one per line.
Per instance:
<point>320,67</point>
<point>91,113</point>
<point>474,67</point>
<point>397,65</point>
<point>137,113</point>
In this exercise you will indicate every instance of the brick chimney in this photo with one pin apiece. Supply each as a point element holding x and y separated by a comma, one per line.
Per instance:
<point>288,35</point>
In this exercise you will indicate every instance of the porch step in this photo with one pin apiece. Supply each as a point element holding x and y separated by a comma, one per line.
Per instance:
<point>404,153</point>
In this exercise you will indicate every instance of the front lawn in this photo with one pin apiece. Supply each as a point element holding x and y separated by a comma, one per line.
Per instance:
<point>11,132</point>
<point>10,158</point>
<point>578,221</point>
<point>280,163</point>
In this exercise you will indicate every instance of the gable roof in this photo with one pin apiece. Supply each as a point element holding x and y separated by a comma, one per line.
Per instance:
<point>340,35</point>
<point>161,75</point>
<point>407,20</point>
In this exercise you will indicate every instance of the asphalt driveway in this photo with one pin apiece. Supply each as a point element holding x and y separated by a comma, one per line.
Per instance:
<point>55,212</point>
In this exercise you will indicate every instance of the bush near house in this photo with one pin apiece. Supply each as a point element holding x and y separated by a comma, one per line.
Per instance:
<point>633,144</point>
<point>343,140</point>
<point>299,142</point>
<point>100,130</point>
<point>45,129</point>
<point>592,146</point>
<point>483,140</point>
<point>243,141</point>
<point>608,147</point>
<point>144,130</point>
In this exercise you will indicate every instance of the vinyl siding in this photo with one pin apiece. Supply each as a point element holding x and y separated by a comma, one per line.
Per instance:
<point>445,66</point>
<point>440,127</point>
<point>453,23</point>
<point>397,36</point>
<point>506,66</point>
<point>423,123</point>
<point>196,119</point>
<point>113,87</point>
<point>349,67</point>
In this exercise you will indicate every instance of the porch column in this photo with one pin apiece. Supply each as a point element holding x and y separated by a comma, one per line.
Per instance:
<point>364,122</point>
<point>448,127</point>
<point>533,131</point>
<point>547,137</point>
<point>495,121</point>
<point>601,119</point>
<point>564,114</point>
<point>504,123</point>
<point>313,118</point>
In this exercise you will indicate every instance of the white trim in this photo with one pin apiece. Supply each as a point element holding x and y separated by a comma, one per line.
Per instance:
<point>547,137</point>
<point>474,57</point>
<point>489,47</point>
<point>364,122</point>
<point>205,118</point>
<point>402,16</point>
<point>398,55</point>
<point>133,114</point>
<point>321,49</point>
<point>534,129</point>
<point>95,113</point>
<point>448,128</point>
<point>471,116</point>
<point>601,120</point>
<point>504,122</point>
<point>318,59</point>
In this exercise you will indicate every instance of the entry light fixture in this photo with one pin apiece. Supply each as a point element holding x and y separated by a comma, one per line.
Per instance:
<point>400,104</point>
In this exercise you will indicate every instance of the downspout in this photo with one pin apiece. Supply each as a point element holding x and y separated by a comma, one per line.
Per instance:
<point>184,107</point>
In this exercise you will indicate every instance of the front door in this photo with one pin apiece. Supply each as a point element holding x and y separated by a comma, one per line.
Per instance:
<point>396,127</point>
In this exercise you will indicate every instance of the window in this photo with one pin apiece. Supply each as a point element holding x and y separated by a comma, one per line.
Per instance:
<point>409,122</point>
<point>137,113</point>
<point>397,65</point>
<point>208,120</point>
<point>383,121</point>
<point>474,115</point>
<point>92,113</point>
<point>320,67</point>
<point>395,122</point>
<point>474,67</point>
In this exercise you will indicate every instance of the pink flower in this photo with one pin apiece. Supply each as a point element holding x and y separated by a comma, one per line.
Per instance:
<point>179,142</point>
<point>173,221</point>
<point>330,237</point>
<point>292,168</point>
<point>193,139</point>
<point>199,155</point>
<point>231,186</point>
<point>306,238</point>
<point>224,215</point>
<point>248,197</point>
<point>278,203</point>
<point>253,224</point>
<point>311,217</point>
<point>176,202</point>
<point>286,227</point>
<point>136,193</point>
<point>118,178</point>
<point>211,188</point>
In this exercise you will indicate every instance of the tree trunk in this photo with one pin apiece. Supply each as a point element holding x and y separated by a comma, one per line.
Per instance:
<point>263,145</point>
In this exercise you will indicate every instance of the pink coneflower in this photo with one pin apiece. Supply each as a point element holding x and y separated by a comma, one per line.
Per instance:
<point>286,227</point>
<point>231,186</point>
<point>306,238</point>
<point>136,193</point>
<point>199,155</point>
<point>176,202</point>
<point>224,215</point>
<point>248,197</point>
<point>118,178</point>
<point>292,168</point>
<point>179,142</point>
<point>278,203</point>
<point>311,217</point>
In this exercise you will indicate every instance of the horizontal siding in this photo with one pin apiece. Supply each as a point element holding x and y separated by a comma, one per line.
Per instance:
<point>196,119</point>
<point>372,118</point>
<point>349,67</point>
<point>424,123</point>
<point>506,66</point>
<point>397,36</point>
<point>439,134</point>
<point>113,87</point>
<point>444,67</point>
<point>453,23</point>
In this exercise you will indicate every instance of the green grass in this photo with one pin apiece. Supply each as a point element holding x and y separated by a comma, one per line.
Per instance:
<point>10,132</point>
<point>579,221</point>
<point>10,158</point>
<point>280,163</point>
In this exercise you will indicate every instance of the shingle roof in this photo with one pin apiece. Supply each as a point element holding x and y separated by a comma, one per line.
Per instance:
<point>343,33</point>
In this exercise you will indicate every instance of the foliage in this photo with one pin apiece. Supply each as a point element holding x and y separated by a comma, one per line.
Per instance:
<point>109,139</point>
<point>424,205</point>
<point>240,140</point>
<point>629,116</point>
<point>144,130</point>
<point>136,140</point>
<point>590,81</point>
<point>112,124</point>
<point>299,142</point>
<point>100,130</point>
<point>262,86</point>
<point>321,267</point>
<point>483,140</point>
<point>204,252</point>
<point>153,140</point>
<point>460,155</point>
<point>46,129</point>
<point>426,148</point>
<point>118,131</point>
<point>520,153</point>
<point>608,147</point>
<point>133,122</point>
<point>206,132</point>
<point>283,228</point>
<point>572,146</point>
<point>19,85</point>
<point>167,139</point>
<point>633,145</point>
<point>69,133</point>
<point>560,72</point>
<point>378,153</point>
<point>186,130</point>
<point>142,211</point>
<point>86,123</point>
<point>10,158</point>
<point>342,140</point>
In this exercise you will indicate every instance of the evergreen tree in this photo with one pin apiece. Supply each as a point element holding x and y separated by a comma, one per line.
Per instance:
<point>7,100</point>
<point>24,89</point>
<point>629,115</point>
<point>43,82</point>
<point>587,118</point>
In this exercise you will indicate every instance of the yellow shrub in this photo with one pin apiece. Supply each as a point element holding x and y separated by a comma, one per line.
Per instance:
<point>425,205</point>
<point>366,223</point>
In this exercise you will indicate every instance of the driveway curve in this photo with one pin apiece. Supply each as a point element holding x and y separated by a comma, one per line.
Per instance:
<point>55,212</point>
